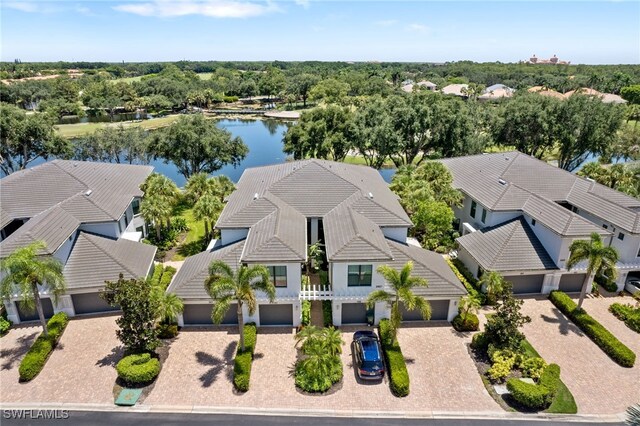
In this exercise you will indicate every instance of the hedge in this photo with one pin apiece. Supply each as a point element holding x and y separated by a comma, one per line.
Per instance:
<point>398,374</point>
<point>628,314</point>
<point>242,363</point>
<point>157,273</point>
<point>167,331</point>
<point>5,324</point>
<point>306,313</point>
<point>616,350</point>
<point>469,322</point>
<point>536,396</point>
<point>35,359</point>
<point>138,369</point>
<point>327,313</point>
<point>167,276</point>
<point>467,279</point>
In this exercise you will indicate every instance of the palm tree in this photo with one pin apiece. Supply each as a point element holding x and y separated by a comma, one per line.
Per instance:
<point>206,209</point>
<point>469,305</point>
<point>223,186</point>
<point>163,188</point>
<point>198,185</point>
<point>314,256</point>
<point>601,260</point>
<point>493,284</point>
<point>169,304</point>
<point>225,286</point>
<point>153,209</point>
<point>402,284</point>
<point>24,270</point>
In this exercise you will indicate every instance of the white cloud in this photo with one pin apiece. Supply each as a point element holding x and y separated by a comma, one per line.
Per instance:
<point>386,23</point>
<point>211,8</point>
<point>303,3</point>
<point>83,10</point>
<point>22,6</point>
<point>417,28</point>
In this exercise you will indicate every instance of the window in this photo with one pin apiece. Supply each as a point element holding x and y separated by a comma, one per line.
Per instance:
<point>605,226</point>
<point>278,275</point>
<point>484,215</point>
<point>621,236</point>
<point>359,275</point>
<point>473,209</point>
<point>533,222</point>
<point>135,206</point>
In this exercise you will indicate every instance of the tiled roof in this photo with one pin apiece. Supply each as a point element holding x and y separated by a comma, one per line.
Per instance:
<point>427,264</point>
<point>189,281</point>
<point>510,246</point>
<point>95,260</point>
<point>515,181</point>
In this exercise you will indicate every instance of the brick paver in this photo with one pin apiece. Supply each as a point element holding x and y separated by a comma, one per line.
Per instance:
<point>443,376</point>
<point>598,384</point>
<point>80,369</point>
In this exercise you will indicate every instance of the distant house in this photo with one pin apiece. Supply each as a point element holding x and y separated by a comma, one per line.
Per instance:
<point>277,211</point>
<point>605,97</point>
<point>455,89</point>
<point>496,91</point>
<point>544,91</point>
<point>554,60</point>
<point>424,83</point>
<point>520,215</point>
<point>88,215</point>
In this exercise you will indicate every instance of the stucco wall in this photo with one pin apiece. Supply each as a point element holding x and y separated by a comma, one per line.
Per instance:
<point>229,236</point>
<point>396,234</point>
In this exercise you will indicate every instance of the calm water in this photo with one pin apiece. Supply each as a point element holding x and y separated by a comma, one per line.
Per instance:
<point>264,139</point>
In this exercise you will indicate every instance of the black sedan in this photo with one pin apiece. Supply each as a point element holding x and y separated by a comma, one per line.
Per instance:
<point>368,354</point>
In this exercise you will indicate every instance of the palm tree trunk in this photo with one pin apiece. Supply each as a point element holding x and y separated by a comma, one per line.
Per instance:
<point>157,225</point>
<point>588,279</point>
<point>36,296</point>
<point>206,228</point>
<point>241,326</point>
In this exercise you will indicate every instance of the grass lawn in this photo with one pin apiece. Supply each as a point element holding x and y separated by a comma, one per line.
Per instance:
<point>70,131</point>
<point>202,75</point>
<point>563,402</point>
<point>194,241</point>
<point>358,159</point>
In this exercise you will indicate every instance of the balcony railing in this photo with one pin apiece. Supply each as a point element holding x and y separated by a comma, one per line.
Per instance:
<point>316,292</point>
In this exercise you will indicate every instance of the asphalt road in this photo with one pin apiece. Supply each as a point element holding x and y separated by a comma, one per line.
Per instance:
<point>88,418</point>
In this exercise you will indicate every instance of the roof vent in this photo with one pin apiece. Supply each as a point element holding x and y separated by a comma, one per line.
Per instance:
<point>502,181</point>
<point>590,179</point>
<point>88,192</point>
<point>370,195</point>
<point>256,196</point>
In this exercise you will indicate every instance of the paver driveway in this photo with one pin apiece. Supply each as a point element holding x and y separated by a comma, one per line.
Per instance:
<point>199,367</point>
<point>80,369</point>
<point>598,384</point>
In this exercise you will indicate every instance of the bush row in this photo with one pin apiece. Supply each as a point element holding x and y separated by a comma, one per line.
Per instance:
<point>138,369</point>
<point>616,350</point>
<point>242,363</point>
<point>398,374</point>
<point>327,313</point>
<point>306,313</point>
<point>167,276</point>
<point>628,314</point>
<point>467,278</point>
<point>468,322</point>
<point>158,269</point>
<point>34,360</point>
<point>536,396</point>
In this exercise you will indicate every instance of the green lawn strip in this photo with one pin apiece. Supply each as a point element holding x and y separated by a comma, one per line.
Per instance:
<point>563,402</point>
<point>71,131</point>
<point>193,242</point>
<point>37,356</point>
<point>602,337</point>
<point>243,360</point>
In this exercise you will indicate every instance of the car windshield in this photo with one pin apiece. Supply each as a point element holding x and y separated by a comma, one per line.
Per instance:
<point>370,350</point>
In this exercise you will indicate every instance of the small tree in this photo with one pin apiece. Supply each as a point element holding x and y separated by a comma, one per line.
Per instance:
<point>402,284</point>
<point>169,305</point>
<point>315,255</point>
<point>493,284</point>
<point>24,271</point>
<point>225,286</point>
<point>139,312</point>
<point>469,305</point>
<point>153,209</point>
<point>207,209</point>
<point>502,328</point>
<point>600,260</point>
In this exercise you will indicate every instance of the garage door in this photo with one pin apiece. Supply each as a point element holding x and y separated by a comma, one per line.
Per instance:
<point>201,314</point>
<point>354,313</point>
<point>439,311</point>
<point>524,284</point>
<point>276,314</point>
<point>571,283</point>
<point>32,315</point>
<point>90,303</point>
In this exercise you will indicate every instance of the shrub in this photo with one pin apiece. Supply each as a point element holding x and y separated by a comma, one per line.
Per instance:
<point>242,363</point>
<point>37,356</point>
<point>158,269</point>
<point>167,331</point>
<point>327,313</point>
<point>398,374</point>
<point>179,224</point>
<point>469,322</point>
<point>470,285</point>
<point>167,276</point>
<point>230,99</point>
<point>533,367</point>
<point>138,369</point>
<point>606,283</point>
<point>306,313</point>
<point>5,324</point>
<point>628,314</point>
<point>503,327</point>
<point>503,362</point>
<point>616,350</point>
<point>536,396</point>
<point>479,342</point>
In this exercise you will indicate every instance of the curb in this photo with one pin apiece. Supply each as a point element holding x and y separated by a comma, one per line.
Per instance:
<point>305,412</point>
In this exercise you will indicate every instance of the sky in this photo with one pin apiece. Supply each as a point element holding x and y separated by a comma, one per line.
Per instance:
<point>591,32</point>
